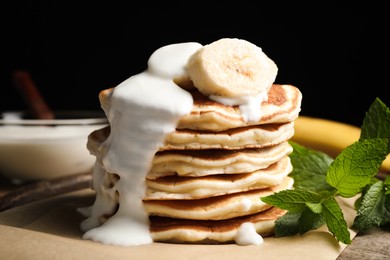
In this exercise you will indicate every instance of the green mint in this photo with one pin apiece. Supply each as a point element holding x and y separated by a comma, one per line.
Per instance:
<point>387,185</point>
<point>309,168</point>
<point>376,123</point>
<point>355,167</point>
<point>293,200</point>
<point>335,221</point>
<point>372,208</point>
<point>318,180</point>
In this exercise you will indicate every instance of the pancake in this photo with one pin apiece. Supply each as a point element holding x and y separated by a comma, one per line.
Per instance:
<point>218,207</point>
<point>256,136</point>
<point>177,187</point>
<point>171,230</point>
<point>283,105</point>
<point>208,162</point>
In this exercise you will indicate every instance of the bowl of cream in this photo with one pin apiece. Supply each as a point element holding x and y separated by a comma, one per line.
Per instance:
<point>37,149</point>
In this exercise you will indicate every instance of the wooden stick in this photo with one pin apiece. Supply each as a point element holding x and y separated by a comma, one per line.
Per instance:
<point>24,83</point>
<point>44,189</point>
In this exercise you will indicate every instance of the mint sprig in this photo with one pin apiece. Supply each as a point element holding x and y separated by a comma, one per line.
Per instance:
<point>318,180</point>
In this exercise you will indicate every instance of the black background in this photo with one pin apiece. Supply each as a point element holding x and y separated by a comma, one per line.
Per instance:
<point>337,55</point>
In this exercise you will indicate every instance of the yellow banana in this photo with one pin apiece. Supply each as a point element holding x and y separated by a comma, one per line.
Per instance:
<point>231,67</point>
<point>327,136</point>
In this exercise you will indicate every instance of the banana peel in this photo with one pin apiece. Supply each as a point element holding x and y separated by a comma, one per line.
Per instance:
<point>328,136</point>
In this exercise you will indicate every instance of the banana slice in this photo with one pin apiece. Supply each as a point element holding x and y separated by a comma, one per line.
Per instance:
<point>231,67</point>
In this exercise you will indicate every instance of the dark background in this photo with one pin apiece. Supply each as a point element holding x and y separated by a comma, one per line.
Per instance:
<point>337,55</point>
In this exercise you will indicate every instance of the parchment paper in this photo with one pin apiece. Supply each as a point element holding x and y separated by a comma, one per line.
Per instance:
<point>49,229</point>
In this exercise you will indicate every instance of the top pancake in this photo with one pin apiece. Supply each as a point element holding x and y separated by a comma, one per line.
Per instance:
<point>283,105</point>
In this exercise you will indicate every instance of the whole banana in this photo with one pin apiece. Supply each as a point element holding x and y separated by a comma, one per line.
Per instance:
<point>327,136</point>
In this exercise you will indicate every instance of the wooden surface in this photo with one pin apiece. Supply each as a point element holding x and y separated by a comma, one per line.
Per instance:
<point>374,244</point>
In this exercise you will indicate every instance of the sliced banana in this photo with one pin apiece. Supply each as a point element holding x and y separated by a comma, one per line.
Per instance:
<point>231,67</point>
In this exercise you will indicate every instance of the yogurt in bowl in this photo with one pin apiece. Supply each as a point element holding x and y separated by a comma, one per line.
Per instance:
<point>37,149</point>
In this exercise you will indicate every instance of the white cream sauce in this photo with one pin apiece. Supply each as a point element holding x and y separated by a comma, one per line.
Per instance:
<point>247,235</point>
<point>143,110</point>
<point>249,105</point>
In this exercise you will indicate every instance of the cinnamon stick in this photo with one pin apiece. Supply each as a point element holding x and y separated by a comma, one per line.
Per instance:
<point>26,86</point>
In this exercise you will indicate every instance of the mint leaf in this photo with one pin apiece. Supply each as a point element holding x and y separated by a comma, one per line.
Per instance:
<point>309,220</point>
<point>292,200</point>
<point>335,221</point>
<point>314,207</point>
<point>309,168</point>
<point>372,208</point>
<point>297,223</point>
<point>386,211</point>
<point>287,225</point>
<point>376,123</point>
<point>356,165</point>
<point>386,184</point>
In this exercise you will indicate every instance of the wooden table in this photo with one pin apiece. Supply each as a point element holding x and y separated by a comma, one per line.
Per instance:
<point>375,244</point>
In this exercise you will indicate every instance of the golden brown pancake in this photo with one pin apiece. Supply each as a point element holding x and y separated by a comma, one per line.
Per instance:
<point>218,207</point>
<point>179,187</point>
<point>164,229</point>
<point>256,136</point>
<point>283,105</point>
<point>207,162</point>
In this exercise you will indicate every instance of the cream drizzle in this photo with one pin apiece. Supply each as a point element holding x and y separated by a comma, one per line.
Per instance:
<point>249,105</point>
<point>144,108</point>
<point>247,235</point>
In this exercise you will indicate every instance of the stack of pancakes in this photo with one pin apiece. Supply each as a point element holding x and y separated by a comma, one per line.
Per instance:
<point>210,174</point>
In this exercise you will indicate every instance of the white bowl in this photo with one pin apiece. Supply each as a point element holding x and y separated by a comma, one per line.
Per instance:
<point>37,149</point>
